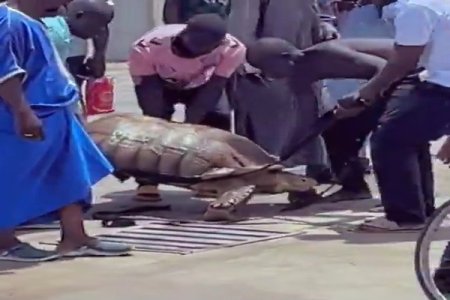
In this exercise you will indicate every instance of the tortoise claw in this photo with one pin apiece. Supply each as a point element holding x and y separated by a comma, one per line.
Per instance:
<point>225,207</point>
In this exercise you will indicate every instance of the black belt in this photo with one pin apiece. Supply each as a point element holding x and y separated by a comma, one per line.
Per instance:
<point>429,86</point>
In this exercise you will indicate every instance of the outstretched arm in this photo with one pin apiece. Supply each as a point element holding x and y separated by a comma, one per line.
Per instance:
<point>383,48</point>
<point>335,60</point>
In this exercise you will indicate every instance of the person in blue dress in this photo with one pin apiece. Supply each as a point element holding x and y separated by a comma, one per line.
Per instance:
<point>48,161</point>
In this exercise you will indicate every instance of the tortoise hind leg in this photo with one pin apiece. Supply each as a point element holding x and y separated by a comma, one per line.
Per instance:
<point>224,208</point>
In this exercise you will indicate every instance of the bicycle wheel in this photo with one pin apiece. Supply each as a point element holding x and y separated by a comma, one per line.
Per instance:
<point>433,242</point>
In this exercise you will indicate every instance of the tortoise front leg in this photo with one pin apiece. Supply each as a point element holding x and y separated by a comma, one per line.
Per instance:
<point>224,208</point>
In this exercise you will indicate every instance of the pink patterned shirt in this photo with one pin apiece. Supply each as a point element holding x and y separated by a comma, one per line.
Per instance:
<point>152,54</point>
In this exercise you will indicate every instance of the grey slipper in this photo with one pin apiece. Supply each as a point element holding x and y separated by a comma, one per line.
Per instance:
<point>98,248</point>
<point>28,254</point>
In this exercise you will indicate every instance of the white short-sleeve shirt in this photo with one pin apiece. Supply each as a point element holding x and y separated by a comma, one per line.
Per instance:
<point>427,23</point>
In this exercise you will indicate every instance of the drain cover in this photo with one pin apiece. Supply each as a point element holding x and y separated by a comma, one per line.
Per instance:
<point>190,238</point>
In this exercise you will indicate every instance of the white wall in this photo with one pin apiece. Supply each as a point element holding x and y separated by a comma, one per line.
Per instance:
<point>132,19</point>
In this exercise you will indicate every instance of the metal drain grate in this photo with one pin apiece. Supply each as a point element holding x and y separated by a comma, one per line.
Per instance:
<point>190,238</point>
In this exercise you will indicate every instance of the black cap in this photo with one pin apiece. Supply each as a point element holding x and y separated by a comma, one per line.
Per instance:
<point>211,24</point>
<point>102,8</point>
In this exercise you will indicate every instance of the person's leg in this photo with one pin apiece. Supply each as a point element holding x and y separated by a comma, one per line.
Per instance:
<point>160,108</point>
<point>76,242</point>
<point>75,66</point>
<point>218,116</point>
<point>427,178</point>
<point>344,141</point>
<point>263,110</point>
<point>221,116</point>
<point>313,155</point>
<point>400,153</point>
<point>8,239</point>
<point>72,229</point>
<point>14,250</point>
<point>305,106</point>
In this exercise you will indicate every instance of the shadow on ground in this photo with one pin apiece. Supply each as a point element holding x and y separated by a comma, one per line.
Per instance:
<point>327,221</point>
<point>10,268</point>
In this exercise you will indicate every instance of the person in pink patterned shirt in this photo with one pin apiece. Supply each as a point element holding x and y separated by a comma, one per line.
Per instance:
<point>184,63</point>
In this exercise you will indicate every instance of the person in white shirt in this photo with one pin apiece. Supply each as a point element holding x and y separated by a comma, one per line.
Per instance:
<point>350,160</point>
<point>412,118</point>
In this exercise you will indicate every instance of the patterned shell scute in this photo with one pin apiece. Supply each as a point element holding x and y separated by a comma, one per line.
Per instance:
<point>163,148</point>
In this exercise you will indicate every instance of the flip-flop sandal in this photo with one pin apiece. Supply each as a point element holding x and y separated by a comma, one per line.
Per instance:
<point>26,253</point>
<point>302,200</point>
<point>112,214</point>
<point>343,196</point>
<point>377,209</point>
<point>98,248</point>
<point>383,225</point>
<point>115,219</point>
<point>118,223</point>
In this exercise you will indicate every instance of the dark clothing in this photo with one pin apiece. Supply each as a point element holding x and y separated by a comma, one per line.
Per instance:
<point>415,114</point>
<point>401,151</point>
<point>164,108</point>
<point>344,141</point>
<point>76,67</point>
<point>263,110</point>
<point>346,137</point>
<point>190,8</point>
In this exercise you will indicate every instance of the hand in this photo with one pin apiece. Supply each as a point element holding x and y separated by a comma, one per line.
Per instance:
<point>349,106</point>
<point>444,152</point>
<point>28,125</point>
<point>344,5</point>
<point>96,66</point>
<point>328,32</point>
<point>369,94</point>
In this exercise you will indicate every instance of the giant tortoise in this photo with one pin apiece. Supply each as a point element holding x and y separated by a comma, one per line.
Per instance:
<point>197,157</point>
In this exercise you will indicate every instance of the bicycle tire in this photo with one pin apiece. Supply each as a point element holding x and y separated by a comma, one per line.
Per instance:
<point>421,253</point>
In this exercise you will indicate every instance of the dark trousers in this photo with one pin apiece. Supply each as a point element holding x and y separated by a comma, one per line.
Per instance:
<point>75,65</point>
<point>346,137</point>
<point>401,152</point>
<point>164,108</point>
<point>344,140</point>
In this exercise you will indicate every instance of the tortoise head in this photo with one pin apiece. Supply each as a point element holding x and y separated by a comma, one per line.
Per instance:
<point>275,179</point>
<point>278,179</point>
<point>290,180</point>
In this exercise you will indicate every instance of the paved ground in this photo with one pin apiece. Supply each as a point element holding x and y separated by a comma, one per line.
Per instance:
<point>324,262</point>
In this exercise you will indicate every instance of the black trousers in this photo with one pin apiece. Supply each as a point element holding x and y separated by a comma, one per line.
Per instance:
<point>344,141</point>
<point>164,108</point>
<point>75,64</point>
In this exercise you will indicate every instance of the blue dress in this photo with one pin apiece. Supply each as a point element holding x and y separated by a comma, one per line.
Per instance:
<point>39,178</point>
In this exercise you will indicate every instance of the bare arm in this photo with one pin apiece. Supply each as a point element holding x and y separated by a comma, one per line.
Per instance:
<point>206,99</point>
<point>11,93</point>
<point>171,12</point>
<point>383,48</point>
<point>97,63</point>
<point>332,60</point>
